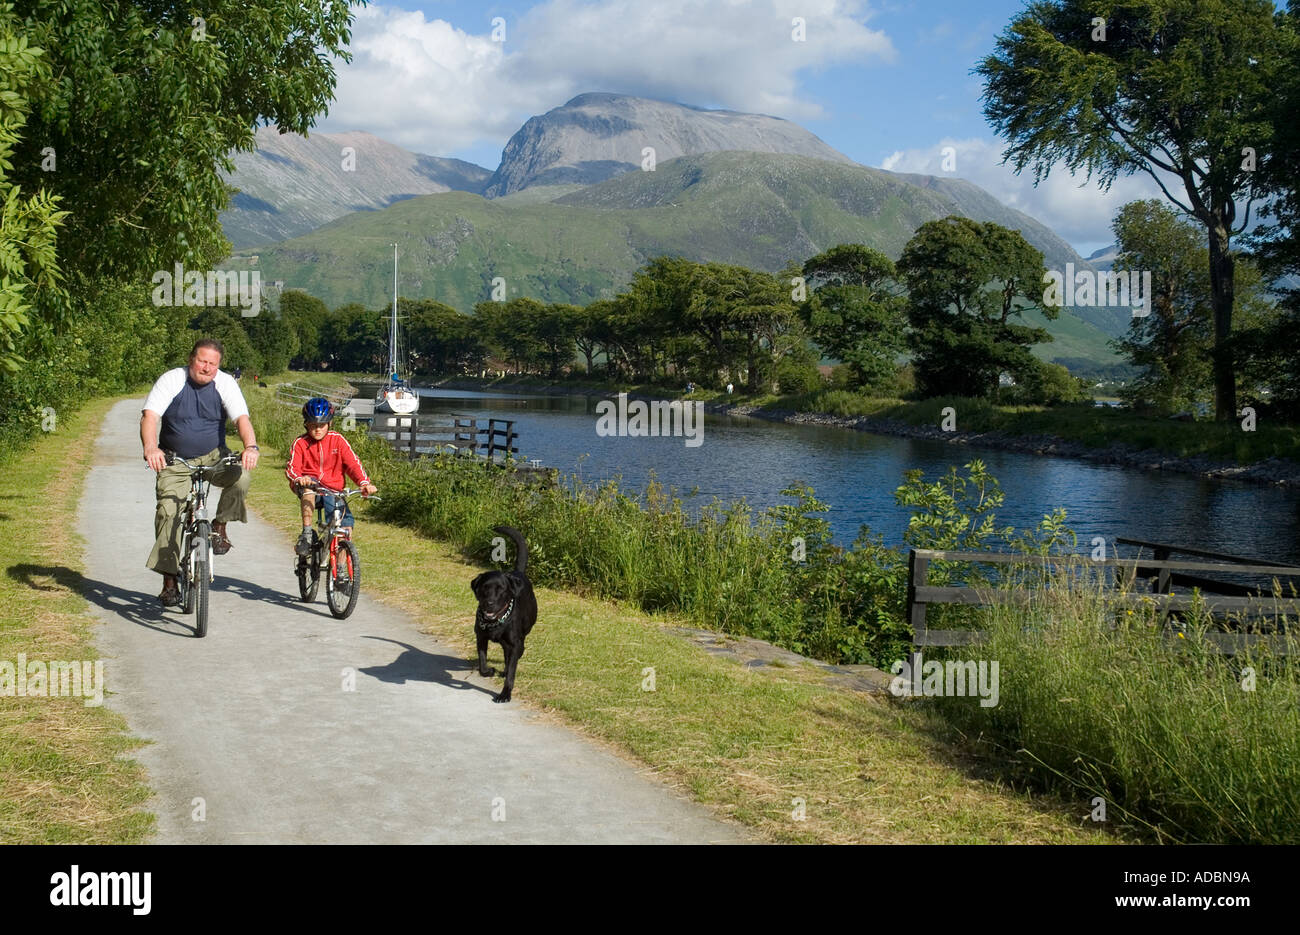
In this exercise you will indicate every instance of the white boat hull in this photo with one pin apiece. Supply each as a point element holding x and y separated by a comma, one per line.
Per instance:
<point>400,402</point>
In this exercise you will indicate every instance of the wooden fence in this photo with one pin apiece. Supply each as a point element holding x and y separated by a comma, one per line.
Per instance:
<point>921,594</point>
<point>415,435</point>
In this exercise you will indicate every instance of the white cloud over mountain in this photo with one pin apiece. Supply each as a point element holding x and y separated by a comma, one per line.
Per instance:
<point>434,88</point>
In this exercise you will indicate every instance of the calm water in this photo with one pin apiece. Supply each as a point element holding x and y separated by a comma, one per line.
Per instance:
<point>856,474</point>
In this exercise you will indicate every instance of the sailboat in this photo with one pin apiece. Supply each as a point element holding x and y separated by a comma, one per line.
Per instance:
<point>395,396</point>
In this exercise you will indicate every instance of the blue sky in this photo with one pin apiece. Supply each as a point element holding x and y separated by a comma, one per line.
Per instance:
<point>887,82</point>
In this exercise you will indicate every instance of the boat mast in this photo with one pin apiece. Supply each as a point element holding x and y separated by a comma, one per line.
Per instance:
<point>392,334</point>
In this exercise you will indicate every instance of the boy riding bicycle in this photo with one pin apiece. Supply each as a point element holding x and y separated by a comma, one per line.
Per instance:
<point>320,456</point>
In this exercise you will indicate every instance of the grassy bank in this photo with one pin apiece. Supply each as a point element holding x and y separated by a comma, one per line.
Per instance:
<point>1194,746</point>
<point>64,772</point>
<point>750,743</point>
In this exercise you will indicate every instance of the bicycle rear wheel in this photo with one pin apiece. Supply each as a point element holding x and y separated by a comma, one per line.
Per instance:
<point>201,572</point>
<point>343,580</point>
<point>308,569</point>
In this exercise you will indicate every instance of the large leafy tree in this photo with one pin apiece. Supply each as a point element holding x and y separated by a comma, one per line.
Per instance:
<point>1178,89</point>
<point>145,102</point>
<point>966,283</point>
<point>855,312</point>
<point>1275,348</point>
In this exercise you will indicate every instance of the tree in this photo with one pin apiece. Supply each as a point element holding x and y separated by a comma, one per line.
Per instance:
<point>555,329</point>
<point>28,226</point>
<point>356,338</point>
<point>147,101</point>
<point>305,315</point>
<point>1179,89</point>
<point>590,330</point>
<point>855,313</point>
<point>1172,344</point>
<point>1272,353</point>
<point>966,281</point>
<point>442,339</point>
<point>510,329</point>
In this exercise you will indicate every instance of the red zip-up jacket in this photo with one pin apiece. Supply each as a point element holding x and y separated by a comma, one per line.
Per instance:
<point>325,460</point>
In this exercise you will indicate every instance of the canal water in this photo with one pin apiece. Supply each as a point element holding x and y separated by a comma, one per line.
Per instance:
<point>856,473</point>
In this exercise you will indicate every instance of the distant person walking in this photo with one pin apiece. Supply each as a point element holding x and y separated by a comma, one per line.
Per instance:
<point>729,389</point>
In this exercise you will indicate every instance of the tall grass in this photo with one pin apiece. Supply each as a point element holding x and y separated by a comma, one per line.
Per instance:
<point>1107,703</point>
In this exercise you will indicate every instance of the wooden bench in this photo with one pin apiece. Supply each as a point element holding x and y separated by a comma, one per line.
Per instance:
<point>921,594</point>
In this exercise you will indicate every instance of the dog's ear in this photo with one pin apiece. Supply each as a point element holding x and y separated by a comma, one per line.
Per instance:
<point>477,582</point>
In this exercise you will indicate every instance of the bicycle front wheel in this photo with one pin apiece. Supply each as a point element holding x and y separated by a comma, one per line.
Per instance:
<point>343,579</point>
<point>201,572</point>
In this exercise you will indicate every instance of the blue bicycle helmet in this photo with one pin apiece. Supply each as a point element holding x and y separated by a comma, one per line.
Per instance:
<point>317,409</point>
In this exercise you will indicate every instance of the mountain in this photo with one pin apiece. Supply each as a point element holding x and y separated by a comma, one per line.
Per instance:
<point>762,210</point>
<point>1103,259</point>
<point>292,184</point>
<point>595,137</point>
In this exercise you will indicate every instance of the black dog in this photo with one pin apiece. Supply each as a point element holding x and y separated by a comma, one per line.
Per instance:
<point>507,610</point>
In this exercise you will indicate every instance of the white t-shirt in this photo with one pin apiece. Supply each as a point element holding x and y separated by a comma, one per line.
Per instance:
<point>173,381</point>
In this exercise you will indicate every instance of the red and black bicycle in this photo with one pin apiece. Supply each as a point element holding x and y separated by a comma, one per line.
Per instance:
<point>333,554</point>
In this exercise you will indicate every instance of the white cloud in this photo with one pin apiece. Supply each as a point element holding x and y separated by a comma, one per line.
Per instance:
<point>434,88</point>
<point>1076,209</point>
<point>740,54</point>
<point>425,85</point>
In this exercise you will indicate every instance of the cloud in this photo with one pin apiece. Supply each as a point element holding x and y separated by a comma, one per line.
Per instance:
<point>1076,209</point>
<point>434,88</point>
<point>739,55</point>
<point>425,85</point>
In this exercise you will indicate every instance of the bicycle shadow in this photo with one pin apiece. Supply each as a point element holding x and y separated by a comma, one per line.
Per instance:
<point>141,609</point>
<point>417,665</point>
<point>256,592</point>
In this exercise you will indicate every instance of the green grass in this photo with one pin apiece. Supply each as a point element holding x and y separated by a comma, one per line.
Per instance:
<point>1099,702</point>
<point>65,775</point>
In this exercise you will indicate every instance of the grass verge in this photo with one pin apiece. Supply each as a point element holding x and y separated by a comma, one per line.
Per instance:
<point>64,771</point>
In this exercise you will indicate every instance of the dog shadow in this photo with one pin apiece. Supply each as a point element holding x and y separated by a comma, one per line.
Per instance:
<point>417,665</point>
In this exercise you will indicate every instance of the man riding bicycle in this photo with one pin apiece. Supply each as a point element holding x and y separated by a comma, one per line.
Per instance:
<point>185,414</point>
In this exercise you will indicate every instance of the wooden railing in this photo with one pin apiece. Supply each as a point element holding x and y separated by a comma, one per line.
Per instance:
<point>921,594</point>
<point>416,435</point>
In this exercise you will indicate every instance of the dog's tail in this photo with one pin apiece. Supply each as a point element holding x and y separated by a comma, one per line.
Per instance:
<point>521,547</point>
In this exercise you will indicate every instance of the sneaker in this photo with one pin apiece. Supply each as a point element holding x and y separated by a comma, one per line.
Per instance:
<point>304,543</point>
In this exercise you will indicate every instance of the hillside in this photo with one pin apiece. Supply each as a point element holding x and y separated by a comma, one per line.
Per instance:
<point>292,184</point>
<point>758,210</point>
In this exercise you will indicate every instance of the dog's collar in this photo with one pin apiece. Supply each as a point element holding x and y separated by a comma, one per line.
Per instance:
<point>498,620</point>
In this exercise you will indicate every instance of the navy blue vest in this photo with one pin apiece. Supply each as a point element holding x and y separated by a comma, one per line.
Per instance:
<point>195,422</point>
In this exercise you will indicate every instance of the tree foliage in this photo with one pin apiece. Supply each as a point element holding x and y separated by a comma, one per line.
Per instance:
<point>1178,89</point>
<point>966,282</point>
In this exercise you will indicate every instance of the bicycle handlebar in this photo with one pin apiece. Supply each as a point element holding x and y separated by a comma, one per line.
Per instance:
<point>317,488</point>
<point>229,460</point>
